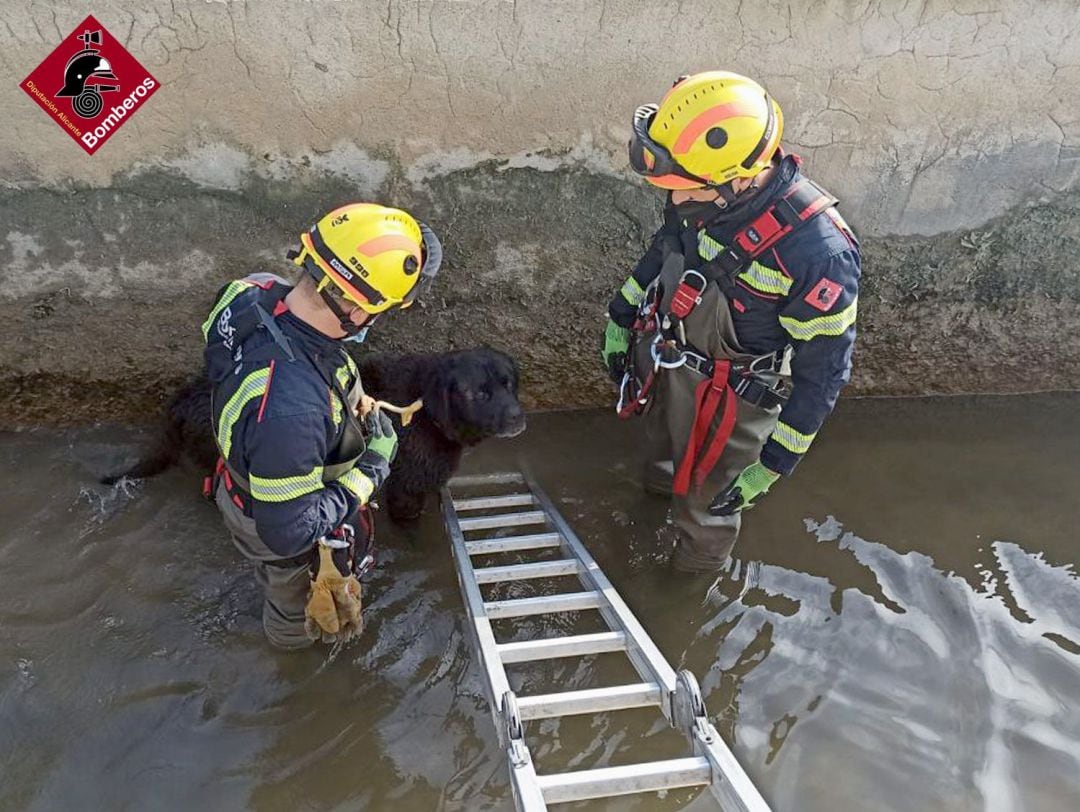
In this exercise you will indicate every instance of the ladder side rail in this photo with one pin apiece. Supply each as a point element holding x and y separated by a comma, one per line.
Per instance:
<point>730,785</point>
<point>483,636</point>
<point>650,664</point>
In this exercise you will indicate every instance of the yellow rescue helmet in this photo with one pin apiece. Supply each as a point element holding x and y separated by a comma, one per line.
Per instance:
<point>376,256</point>
<point>709,129</point>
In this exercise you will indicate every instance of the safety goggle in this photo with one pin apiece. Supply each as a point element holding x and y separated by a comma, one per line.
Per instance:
<point>642,147</point>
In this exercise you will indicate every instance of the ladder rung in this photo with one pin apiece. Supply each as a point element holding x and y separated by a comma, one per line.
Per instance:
<point>593,700</point>
<point>484,502</point>
<point>522,572</point>
<point>568,602</point>
<point>571,646</point>
<point>513,543</point>
<point>504,520</point>
<point>508,478</point>
<point>607,781</point>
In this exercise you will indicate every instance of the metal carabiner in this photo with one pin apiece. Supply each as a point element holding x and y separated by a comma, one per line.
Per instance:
<point>658,362</point>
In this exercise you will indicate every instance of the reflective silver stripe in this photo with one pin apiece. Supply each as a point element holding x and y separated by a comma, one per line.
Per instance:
<point>234,289</point>
<point>759,277</point>
<point>253,386</point>
<point>632,292</point>
<point>765,279</point>
<point>358,483</point>
<point>282,489</point>
<point>833,324</point>
<point>794,441</point>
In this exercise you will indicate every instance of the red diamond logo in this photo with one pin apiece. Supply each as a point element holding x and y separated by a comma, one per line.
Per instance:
<point>90,85</point>
<point>824,295</point>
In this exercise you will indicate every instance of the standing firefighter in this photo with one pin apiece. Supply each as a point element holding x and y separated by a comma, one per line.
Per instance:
<point>734,332</point>
<point>297,468</point>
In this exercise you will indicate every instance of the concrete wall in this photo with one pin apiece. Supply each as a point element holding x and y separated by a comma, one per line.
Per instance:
<point>950,129</point>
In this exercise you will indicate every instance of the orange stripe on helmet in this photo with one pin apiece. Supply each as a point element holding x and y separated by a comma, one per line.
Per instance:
<point>707,119</point>
<point>388,242</point>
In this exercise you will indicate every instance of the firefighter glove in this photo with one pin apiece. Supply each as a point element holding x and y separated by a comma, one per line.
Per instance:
<point>748,487</point>
<point>616,346</point>
<point>332,613</point>
<point>382,439</point>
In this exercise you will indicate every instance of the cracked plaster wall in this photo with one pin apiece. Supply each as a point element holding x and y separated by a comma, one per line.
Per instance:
<point>504,124</point>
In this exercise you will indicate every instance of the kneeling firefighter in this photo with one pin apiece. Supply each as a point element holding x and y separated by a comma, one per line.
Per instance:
<point>734,332</point>
<point>297,469</point>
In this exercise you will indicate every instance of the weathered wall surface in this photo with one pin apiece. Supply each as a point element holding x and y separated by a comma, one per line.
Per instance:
<point>950,129</point>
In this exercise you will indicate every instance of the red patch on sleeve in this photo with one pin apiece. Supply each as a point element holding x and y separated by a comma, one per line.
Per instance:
<point>824,295</point>
<point>738,305</point>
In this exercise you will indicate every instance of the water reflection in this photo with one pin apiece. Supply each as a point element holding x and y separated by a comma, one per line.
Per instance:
<point>964,697</point>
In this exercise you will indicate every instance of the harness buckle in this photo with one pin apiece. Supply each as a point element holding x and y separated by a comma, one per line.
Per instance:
<point>687,296</point>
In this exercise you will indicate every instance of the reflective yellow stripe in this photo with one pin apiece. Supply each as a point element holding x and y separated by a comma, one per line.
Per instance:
<point>794,441</point>
<point>766,280</point>
<point>757,276</point>
<point>833,324</point>
<point>632,292</point>
<point>337,411</point>
<point>358,483</point>
<point>342,375</point>
<point>707,246</point>
<point>282,489</point>
<point>231,292</point>
<point>253,386</point>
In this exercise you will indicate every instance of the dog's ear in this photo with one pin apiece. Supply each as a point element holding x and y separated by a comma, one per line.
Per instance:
<point>439,388</point>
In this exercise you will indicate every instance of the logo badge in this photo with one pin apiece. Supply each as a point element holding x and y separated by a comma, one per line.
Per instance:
<point>824,295</point>
<point>90,85</point>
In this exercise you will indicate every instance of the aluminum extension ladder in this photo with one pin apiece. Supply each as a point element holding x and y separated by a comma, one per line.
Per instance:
<point>677,695</point>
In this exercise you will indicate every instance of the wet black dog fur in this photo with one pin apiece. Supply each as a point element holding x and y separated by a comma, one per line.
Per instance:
<point>469,396</point>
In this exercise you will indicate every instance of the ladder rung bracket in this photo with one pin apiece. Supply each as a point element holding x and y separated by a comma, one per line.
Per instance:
<point>512,544</point>
<point>503,520</point>
<point>607,781</point>
<point>571,646</point>
<point>523,572</point>
<point>545,604</point>
<point>593,700</point>
<point>505,478</point>
<point>488,502</point>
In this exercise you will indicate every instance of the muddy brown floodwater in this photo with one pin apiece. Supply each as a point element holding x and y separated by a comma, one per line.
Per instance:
<point>900,630</point>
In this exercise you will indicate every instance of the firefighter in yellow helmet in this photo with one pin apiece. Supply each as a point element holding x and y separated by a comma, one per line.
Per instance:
<point>297,468</point>
<point>734,333</point>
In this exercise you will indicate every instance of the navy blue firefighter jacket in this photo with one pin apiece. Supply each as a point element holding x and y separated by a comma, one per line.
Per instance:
<point>278,422</point>
<point>803,292</point>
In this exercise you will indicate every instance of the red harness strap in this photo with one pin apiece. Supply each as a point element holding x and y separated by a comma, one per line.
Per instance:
<point>708,397</point>
<point>637,403</point>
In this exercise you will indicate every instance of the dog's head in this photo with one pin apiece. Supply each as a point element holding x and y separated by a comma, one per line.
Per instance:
<point>472,395</point>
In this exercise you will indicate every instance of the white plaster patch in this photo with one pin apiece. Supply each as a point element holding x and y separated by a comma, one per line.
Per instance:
<point>213,166</point>
<point>102,282</point>
<point>349,161</point>
<point>514,264</point>
<point>22,246</point>
<point>345,160</point>
<point>437,164</point>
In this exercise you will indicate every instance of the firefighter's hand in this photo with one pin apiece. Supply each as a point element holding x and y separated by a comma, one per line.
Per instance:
<point>742,494</point>
<point>333,609</point>
<point>616,345</point>
<point>382,439</point>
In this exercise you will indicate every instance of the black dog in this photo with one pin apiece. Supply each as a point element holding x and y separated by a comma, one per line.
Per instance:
<point>468,396</point>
